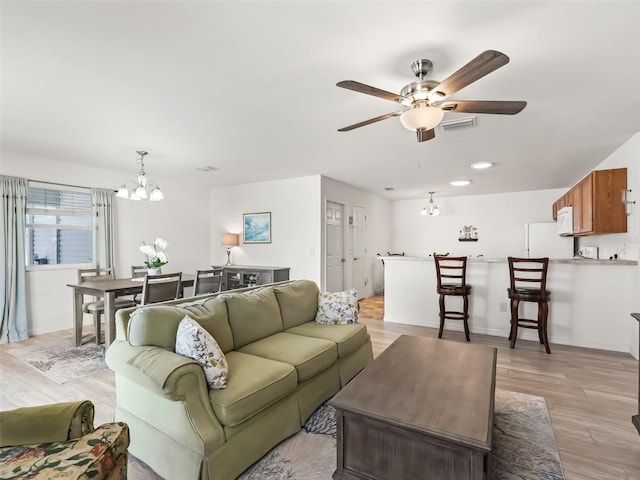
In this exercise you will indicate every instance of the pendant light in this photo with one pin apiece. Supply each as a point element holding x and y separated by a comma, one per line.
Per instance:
<point>431,209</point>
<point>141,188</point>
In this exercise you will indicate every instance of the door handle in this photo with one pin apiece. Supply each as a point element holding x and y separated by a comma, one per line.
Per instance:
<point>342,260</point>
<point>355,259</point>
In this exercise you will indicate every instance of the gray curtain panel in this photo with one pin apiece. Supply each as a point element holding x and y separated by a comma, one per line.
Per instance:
<point>13,293</point>
<point>102,206</point>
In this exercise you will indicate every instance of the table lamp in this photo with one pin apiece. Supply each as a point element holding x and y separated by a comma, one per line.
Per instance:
<point>229,240</point>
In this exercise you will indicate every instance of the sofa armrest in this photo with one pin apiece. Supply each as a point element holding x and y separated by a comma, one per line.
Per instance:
<point>46,423</point>
<point>154,368</point>
<point>173,377</point>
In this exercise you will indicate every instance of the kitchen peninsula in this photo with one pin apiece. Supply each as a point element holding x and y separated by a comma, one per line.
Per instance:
<point>590,299</point>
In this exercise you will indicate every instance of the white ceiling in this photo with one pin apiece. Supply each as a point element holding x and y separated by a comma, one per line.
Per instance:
<point>249,87</point>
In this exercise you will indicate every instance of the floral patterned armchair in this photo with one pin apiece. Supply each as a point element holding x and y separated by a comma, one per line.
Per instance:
<point>59,441</point>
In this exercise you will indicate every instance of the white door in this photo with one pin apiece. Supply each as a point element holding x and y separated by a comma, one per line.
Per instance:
<point>335,247</point>
<point>360,262</point>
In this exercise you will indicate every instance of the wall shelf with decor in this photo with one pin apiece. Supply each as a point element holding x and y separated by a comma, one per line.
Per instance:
<point>467,239</point>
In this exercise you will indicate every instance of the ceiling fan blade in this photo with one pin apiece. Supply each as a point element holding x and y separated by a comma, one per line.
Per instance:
<point>370,121</point>
<point>424,135</point>
<point>483,106</point>
<point>369,90</point>
<point>483,64</point>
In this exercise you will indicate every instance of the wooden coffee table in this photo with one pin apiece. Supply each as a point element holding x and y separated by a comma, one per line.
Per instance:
<point>422,409</point>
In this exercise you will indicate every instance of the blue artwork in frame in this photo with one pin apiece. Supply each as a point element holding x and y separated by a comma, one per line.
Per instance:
<point>257,227</point>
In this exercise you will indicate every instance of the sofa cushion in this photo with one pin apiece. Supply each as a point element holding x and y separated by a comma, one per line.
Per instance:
<point>157,324</point>
<point>212,315</point>
<point>253,315</point>
<point>298,302</point>
<point>154,325</point>
<point>254,383</point>
<point>348,338</point>
<point>195,342</point>
<point>337,307</point>
<point>308,355</point>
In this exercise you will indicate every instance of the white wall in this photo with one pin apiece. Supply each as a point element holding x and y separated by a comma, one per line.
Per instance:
<point>627,245</point>
<point>378,229</point>
<point>176,219</point>
<point>500,220</point>
<point>295,224</point>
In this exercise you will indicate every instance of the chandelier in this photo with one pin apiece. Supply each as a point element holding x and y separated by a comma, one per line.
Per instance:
<point>432,208</point>
<point>141,189</point>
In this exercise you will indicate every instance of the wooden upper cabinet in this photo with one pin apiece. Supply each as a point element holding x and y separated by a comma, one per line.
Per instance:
<point>597,204</point>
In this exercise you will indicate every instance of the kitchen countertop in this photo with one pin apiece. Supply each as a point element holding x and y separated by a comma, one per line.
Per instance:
<point>557,261</point>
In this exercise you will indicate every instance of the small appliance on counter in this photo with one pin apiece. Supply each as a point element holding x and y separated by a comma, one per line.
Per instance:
<point>588,252</point>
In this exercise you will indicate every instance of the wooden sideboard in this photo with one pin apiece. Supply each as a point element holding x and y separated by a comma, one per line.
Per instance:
<point>636,418</point>
<point>240,276</point>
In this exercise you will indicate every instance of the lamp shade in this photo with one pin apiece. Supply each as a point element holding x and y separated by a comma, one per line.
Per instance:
<point>420,116</point>
<point>230,239</point>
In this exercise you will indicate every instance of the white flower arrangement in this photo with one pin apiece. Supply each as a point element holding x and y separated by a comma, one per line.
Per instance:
<point>156,257</point>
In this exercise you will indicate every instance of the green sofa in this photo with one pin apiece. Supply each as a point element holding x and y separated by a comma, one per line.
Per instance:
<point>282,366</point>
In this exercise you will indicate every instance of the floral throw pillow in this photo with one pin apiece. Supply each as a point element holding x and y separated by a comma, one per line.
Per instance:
<point>337,307</point>
<point>195,342</point>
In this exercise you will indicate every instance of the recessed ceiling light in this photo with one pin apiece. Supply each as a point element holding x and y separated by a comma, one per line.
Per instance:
<point>481,165</point>
<point>459,183</point>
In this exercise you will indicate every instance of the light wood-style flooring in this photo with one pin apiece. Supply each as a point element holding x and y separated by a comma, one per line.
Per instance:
<point>591,394</point>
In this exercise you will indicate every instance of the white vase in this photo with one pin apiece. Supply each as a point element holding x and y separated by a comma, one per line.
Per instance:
<point>154,271</point>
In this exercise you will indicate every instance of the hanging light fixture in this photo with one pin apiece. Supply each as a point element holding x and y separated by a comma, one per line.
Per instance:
<point>141,189</point>
<point>431,209</point>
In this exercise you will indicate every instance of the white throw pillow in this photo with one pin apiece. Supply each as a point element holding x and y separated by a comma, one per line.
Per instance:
<point>337,307</point>
<point>195,342</point>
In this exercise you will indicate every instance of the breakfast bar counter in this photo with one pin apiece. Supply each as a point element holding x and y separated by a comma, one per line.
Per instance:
<point>589,307</point>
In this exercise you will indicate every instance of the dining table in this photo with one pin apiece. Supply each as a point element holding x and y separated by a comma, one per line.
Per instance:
<point>109,289</point>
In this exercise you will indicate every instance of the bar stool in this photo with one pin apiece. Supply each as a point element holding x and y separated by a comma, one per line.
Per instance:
<point>528,283</point>
<point>454,272</point>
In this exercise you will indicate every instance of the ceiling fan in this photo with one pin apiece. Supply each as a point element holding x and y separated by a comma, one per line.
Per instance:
<point>426,98</point>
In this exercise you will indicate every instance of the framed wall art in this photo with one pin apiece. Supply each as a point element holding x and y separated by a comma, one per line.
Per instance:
<point>256,227</point>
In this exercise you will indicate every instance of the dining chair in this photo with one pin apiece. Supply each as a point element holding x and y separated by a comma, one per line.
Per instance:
<point>451,275</point>
<point>207,281</point>
<point>160,288</point>
<point>96,307</point>
<point>138,271</point>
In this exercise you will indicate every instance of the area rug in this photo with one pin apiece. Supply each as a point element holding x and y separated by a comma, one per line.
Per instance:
<point>524,445</point>
<point>63,363</point>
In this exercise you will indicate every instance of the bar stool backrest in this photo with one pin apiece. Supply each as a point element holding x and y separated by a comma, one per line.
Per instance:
<point>528,276</point>
<point>451,274</point>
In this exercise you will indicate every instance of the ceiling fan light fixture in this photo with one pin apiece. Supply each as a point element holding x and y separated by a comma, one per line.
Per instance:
<point>421,116</point>
<point>436,96</point>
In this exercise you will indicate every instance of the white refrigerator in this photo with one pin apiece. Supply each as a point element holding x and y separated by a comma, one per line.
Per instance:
<point>542,240</point>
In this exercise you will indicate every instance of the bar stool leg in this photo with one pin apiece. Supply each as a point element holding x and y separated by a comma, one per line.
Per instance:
<point>441,316</point>
<point>514,322</point>
<point>465,311</point>
<point>545,315</point>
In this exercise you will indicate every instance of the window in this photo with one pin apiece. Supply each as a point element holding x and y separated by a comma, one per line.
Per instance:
<point>59,226</point>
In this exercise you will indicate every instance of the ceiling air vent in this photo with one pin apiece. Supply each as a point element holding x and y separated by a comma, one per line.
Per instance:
<point>206,168</point>
<point>457,123</point>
